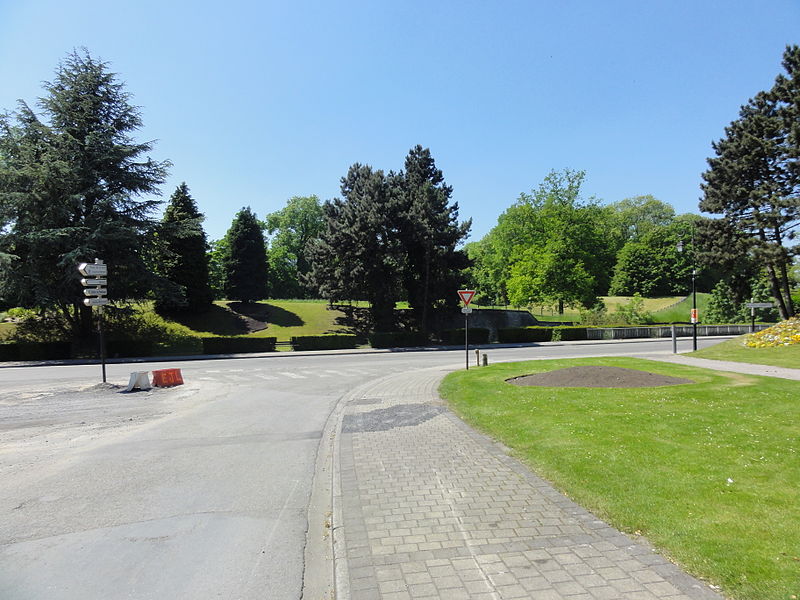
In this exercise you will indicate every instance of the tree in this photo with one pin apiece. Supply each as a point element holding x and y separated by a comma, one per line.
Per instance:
<point>292,229</point>
<point>640,214</point>
<point>753,182</point>
<point>357,255</point>
<point>182,254</point>
<point>245,263</point>
<point>429,233</point>
<point>554,247</point>
<point>72,183</point>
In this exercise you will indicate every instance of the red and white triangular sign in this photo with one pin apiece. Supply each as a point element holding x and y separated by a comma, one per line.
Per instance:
<point>466,296</point>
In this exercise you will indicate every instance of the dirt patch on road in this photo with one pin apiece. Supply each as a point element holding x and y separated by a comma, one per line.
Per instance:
<point>597,377</point>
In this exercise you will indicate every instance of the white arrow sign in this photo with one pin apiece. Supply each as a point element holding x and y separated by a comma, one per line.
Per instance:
<point>95,301</point>
<point>94,282</point>
<point>95,292</point>
<point>93,269</point>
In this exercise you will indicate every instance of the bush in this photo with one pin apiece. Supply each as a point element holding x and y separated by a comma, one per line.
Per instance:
<point>238,345</point>
<point>129,348</point>
<point>45,350</point>
<point>521,335</point>
<point>454,337</point>
<point>567,334</point>
<point>9,352</point>
<point>324,342</point>
<point>397,339</point>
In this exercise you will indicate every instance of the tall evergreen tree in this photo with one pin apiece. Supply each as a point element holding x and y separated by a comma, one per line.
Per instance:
<point>429,234</point>
<point>72,183</point>
<point>753,182</point>
<point>357,255</point>
<point>182,254</point>
<point>245,264</point>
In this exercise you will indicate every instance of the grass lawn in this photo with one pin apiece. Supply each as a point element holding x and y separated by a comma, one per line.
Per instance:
<point>285,318</point>
<point>735,350</point>
<point>708,471</point>
<point>652,305</point>
<point>6,329</point>
<point>683,310</point>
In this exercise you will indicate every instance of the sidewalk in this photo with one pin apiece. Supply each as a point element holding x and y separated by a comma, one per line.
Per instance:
<point>424,508</point>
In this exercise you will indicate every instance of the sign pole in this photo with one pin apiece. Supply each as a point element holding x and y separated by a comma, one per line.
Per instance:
<point>102,341</point>
<point>466,297</point>
<point>94,287</point>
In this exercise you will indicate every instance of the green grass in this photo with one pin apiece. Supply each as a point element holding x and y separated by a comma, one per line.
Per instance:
<point>659,460</point>
<point>6,329</point>
<point>284,318</point>
<point>682,312</point>
<point>652,305</point>
<point>735,350</point>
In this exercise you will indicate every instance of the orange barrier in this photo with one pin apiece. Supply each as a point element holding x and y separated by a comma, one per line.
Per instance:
<point>167,377</point>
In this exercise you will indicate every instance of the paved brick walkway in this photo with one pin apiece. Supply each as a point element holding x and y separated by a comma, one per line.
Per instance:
<point>427,508</point>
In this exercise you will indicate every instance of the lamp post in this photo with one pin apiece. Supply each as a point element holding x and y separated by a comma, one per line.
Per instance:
<point>694,294</point>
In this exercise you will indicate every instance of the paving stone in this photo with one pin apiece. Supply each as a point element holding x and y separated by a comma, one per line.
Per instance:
<point>432,509</point>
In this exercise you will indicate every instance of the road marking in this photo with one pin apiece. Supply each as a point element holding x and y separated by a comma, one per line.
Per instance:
<point>291,375</point>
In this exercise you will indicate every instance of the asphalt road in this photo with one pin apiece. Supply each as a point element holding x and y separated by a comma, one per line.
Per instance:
<point>199,491</point>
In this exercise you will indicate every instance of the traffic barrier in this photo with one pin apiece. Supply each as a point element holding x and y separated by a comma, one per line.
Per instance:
<point>167,377</point>
<point>139,380</point>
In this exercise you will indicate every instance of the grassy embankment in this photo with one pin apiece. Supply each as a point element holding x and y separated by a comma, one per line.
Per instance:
<point>778,346</point>
<point>708,471</point>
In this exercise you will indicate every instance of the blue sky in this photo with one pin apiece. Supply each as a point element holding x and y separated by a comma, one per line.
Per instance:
<point>256,102</point>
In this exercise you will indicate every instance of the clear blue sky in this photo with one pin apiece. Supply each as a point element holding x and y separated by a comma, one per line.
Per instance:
<point>255,102</point>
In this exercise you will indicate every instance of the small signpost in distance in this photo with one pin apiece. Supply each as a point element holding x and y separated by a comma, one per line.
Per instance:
<point>466,297</point>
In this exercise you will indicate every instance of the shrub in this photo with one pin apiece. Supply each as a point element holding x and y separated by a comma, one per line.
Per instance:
<point>453,337</point>
<point>397,339</point>
<point>9,351</point>
<point>324,342</point>
<point>129,348</point>
<point>518,335</point>
<point>45,350</point>
<point>237,345</point>
<point>567,334</point>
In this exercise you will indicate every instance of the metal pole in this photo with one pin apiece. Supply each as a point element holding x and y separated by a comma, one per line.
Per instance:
<point>674,340</point>
<point>466,338</point>
<point>102,341</point>
<point>694,312</point>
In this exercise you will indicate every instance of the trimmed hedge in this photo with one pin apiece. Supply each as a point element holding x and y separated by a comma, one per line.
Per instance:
<point>568,334</point>
<point>129,348</point>
<point>238,345</point>
<point>324,342</point>
<point>454,337</point>
<point>36,351</point>
<point>397,339</point>
<point>523,335</point>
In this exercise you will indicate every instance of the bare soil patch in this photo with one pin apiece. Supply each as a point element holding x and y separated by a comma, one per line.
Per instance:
<point>597,377</point>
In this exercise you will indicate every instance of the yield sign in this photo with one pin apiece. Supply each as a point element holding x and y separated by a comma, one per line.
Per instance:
<point>466,296</point>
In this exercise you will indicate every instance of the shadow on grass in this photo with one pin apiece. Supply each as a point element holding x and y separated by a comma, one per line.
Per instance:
<point>217,320</point>
<point>268,313</point>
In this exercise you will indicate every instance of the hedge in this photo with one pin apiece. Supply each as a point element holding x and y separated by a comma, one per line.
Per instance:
<point>238,345</point>
<point>568,334</point>
<point>129,348</point>
<point>36,351</point>
<point>324,342</point>
<point>521,335</point>
<point>477,335</point>
<point>397,339</point>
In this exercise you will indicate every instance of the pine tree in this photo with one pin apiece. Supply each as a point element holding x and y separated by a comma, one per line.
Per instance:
<point>182,254</point>
<point>357,254</point>
<point>71,187</point>
<point>754,179</point>
<point>429,233</point>
<point>245,264</point>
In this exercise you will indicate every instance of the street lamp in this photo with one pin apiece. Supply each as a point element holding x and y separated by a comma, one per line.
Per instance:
<point>694,294</point>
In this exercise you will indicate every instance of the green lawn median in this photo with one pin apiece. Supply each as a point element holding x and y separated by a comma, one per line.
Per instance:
<point>708,471</point>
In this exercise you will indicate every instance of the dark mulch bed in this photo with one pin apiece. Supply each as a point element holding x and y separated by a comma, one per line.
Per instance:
<point>597,377</point>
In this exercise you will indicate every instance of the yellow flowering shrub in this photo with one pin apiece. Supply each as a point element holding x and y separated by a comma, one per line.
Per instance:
<point>784,333</point>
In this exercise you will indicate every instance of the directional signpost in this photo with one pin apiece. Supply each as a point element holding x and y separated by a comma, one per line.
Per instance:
<point>752,305</point>
<point>94,288</point>
<point>466,297</point>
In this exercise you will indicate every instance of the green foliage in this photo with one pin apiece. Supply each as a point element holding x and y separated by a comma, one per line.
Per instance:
<point>753,182</point>
<point>637,216</point>
<point>524,335</point>
<point>238,345</point>
<point>568,334</point>
<point>245,262</point>
<point>633,313</point>
<point>180,256</point>
<point>292,229</point>
<point>72,180</point>
<point>550,247</point>
<point>324,342</point>
<point>398,339</point>
<point>217,251</point>
<point>722,307</point>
